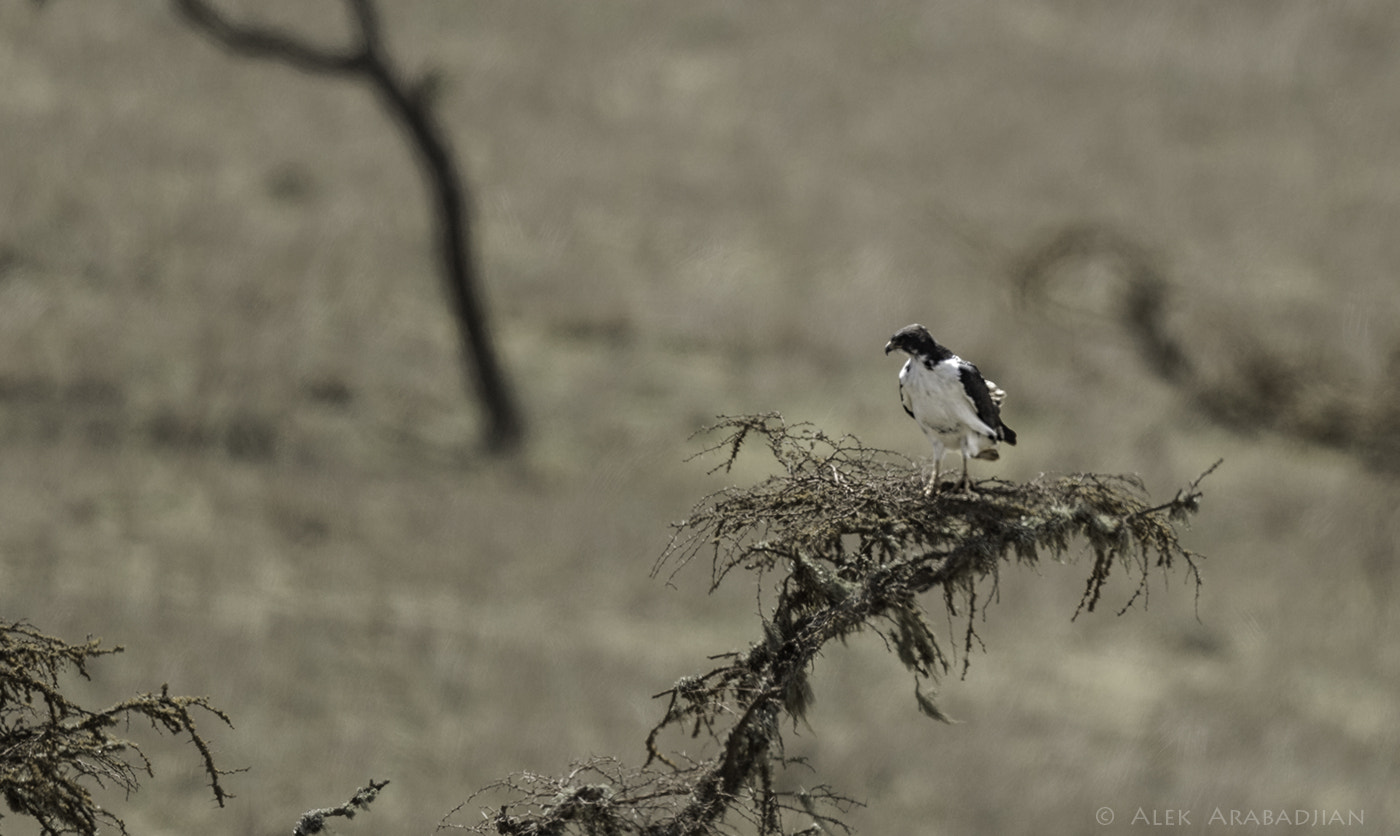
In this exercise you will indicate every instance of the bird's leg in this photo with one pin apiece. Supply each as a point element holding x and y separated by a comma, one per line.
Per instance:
<point>933,480</point>
<point>966,484</point>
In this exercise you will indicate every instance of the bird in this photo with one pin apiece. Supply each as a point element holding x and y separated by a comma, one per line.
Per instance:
<point>950,400</point>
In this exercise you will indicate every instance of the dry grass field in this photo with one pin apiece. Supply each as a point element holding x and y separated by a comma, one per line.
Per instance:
<point>234,439</point>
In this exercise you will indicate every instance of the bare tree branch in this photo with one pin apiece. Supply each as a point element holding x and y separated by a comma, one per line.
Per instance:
<point>411,109</point>
<point>260,42</point>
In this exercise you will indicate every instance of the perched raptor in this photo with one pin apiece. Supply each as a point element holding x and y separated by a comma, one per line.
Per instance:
<point>950,400</point>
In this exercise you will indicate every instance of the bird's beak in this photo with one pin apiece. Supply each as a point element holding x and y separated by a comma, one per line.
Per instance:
<point>889,346</point>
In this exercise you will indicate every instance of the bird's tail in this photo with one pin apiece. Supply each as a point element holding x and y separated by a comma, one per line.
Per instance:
<point>1008,435</point>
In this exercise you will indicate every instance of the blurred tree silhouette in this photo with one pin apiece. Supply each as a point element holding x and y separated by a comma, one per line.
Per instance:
<point>1260,390</point>
<point>52,749</point>
<point>841,540</point>
<point>410,103</point>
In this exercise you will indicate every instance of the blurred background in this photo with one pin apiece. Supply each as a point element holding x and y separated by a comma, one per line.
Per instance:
<point>234,436</point>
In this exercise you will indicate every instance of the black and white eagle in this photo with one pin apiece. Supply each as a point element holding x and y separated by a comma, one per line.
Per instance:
<point>950,400</point>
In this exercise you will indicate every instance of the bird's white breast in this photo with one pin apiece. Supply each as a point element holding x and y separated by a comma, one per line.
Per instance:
<point>938,400</point>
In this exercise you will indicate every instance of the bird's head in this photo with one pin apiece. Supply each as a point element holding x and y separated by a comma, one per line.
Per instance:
<point>912,340</point>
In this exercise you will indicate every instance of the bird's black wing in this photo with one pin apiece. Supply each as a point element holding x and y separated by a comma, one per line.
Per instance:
<point>981,398</point>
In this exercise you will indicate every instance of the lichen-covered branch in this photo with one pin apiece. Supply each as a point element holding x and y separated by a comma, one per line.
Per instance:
<point>53,751</point>
<point>844,540</point>
<point>314,821</point>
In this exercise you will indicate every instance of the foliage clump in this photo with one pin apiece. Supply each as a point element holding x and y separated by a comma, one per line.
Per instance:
<point>840,540</point>
<point>52,750</point>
